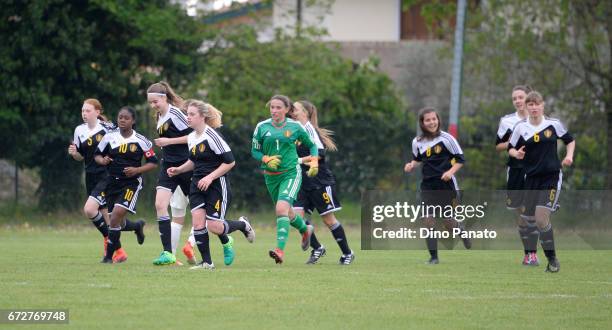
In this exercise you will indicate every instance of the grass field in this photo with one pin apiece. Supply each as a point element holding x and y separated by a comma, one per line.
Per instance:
<point>58,268</point>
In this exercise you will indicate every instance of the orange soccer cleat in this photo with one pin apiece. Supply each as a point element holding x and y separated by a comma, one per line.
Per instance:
<point>277,254</point>
<point>188,252</point>
<point>119,256</point>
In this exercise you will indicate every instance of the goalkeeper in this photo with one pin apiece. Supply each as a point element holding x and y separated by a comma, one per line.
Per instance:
<point>273,145</point>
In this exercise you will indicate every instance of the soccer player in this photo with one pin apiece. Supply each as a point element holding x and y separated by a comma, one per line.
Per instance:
<point>210,159</point>
<point>121,151</point>
<point>87,136</point>
<point>319,191</point>
<point>274,146</point>
<point>516,176</point>
<point>534,140</point>
<point>173,130</point>
<point>442,157</point>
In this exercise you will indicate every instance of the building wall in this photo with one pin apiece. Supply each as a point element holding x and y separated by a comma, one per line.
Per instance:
<point>345,20</point>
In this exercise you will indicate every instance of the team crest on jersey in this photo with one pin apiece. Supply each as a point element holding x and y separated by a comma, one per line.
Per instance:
<point>453,161</point>
<point>132,147</point>
<point>437,149</point>
<point>201,147</point>
<point>98,137</point>
<point>547,133</point>
<point>287,133</point>
<point>166,126</point>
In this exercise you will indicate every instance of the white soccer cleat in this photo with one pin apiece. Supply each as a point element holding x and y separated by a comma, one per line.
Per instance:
<point>250,232</point>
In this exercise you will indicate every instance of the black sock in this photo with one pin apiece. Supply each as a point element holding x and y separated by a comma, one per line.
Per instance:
<point>165,232</point>
<point>233,225</point>
<point>223,238</point>
<point>548,242</point>
<point>524,232</point>
<point>100,224</point>
<point>340,237</point>
<point>432,246</point>
<point>314,242</point>
<point>534,235</point>
<point>129,226</point>
<point>201,238</point>
<point>114,244</point>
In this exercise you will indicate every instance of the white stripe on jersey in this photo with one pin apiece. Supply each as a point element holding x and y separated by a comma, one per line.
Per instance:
<point>312,132</point>
<point>527,130</point>
<point>507,123</point>
<point>217,143</point>
<point>419,147</point>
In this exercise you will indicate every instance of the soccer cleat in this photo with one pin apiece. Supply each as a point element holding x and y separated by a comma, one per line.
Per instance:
<point>433,261</point>
<point>106,260</point>
<point>315,255</point>
<point>250,232</point>
<point>306,237</point>
<point>277,254</point>
<point>119,256</point>
<point>553,266</point>
<point>165,258</point>
<point>531,259</point>
<point>347,259</point>
<point>140,236</point>
<point>228,251</point>
<point>527,259</point>
<point>203,266</point>
<point>188,252</point>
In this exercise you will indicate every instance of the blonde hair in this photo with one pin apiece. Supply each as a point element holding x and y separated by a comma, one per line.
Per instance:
<point>98,106</point>
<point>325,134</point>
<point>164,88</point>
<point>212,116</point>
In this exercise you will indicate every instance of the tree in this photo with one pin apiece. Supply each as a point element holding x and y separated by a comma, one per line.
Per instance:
<point>355,100</point>
<point>562,48</point>
<point>56,53</point>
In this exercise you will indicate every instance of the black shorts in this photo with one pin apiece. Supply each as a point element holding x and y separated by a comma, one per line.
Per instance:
<point>515,187</point>
<point>542,191</point>
<point>215,200</point>
<point>324,199</point>
<point>123,193</point>
<point>170,183</point>
<point>95,184</point>
<point>436,192</point>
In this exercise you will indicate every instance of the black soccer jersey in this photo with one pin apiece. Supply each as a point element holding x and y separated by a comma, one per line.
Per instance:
<point>506,124</point>
<point>208,151</point>
<point>172,125</point>
<point>86,141</point>
<point>125,152</point>
<point>325,177</point>
<point>540,145</point>
<point>437,155</point>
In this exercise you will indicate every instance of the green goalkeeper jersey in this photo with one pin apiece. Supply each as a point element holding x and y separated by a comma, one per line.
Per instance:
<point>271,139</point>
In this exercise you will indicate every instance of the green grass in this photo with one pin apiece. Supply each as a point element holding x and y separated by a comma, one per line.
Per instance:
<point>42,267</point>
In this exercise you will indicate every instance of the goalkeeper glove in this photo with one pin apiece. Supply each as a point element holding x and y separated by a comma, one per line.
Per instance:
<point>272,161</point>
<point>314,167</point>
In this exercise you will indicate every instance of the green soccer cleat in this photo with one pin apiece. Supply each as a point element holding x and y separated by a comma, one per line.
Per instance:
<point>228,251</point>
<point>165,258</point>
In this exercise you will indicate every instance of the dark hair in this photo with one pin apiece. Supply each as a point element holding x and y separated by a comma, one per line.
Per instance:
<point>286,101</point>
<point>524,88</point>
<point>132,113</point>
<point>424,132</point>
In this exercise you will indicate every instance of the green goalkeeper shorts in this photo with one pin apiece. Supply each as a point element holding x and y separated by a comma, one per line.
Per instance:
<point>284,186</point>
